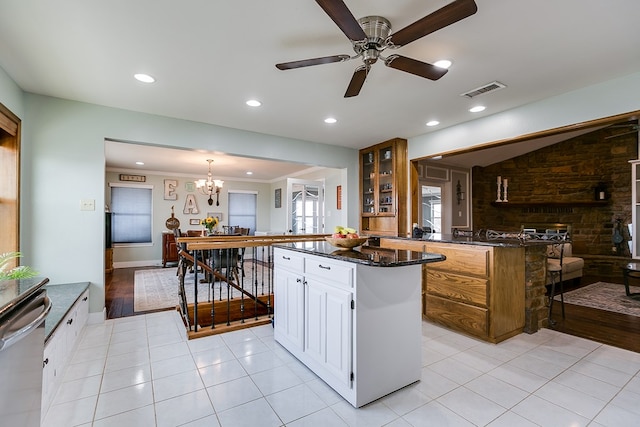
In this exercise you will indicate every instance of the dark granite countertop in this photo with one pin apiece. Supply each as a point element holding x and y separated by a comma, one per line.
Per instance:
<point>13,292</point>
<point>63,296</point>
<point>366,255</point>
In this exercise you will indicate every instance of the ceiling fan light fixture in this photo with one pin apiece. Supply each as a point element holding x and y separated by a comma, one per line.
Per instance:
<point>443,63</point>
<point>371,35</point>
<point>144,78</point>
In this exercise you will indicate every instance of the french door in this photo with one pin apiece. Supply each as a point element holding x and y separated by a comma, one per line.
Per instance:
<point>306,206</point>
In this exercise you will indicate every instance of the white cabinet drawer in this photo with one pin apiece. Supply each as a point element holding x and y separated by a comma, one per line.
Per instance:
<point>330,272</point>
<point>289,260</point>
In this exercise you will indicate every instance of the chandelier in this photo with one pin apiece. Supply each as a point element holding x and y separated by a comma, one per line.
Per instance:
<point>210,186</point>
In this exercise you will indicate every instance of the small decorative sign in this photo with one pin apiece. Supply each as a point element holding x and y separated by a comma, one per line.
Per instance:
<point>134,178</point>
<point>190,205</point>
<point>278,197</point>
<point>170,189</point>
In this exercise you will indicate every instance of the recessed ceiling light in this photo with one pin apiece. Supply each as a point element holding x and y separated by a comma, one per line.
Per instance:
<point>144,78</point>
<point>330,120</point>
<point>433,123</point>
<point>140,163</point>
<point>249,173</point>
<point>477,108</point>
<point>436,158</point>
<point>254,103</point>
<point>443,63</point>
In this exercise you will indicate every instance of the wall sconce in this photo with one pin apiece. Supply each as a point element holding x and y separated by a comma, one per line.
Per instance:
<point>459,192</point>
<point>210,186</point>
<point>600,192</point>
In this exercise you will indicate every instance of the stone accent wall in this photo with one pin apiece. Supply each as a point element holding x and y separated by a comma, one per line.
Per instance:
<point>556,184</point>
<point>536,313</point>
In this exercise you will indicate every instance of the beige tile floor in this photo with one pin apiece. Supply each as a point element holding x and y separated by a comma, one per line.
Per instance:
<point>141,371</point>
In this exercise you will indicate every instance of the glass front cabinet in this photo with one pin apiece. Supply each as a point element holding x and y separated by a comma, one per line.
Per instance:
<point>383,189</point>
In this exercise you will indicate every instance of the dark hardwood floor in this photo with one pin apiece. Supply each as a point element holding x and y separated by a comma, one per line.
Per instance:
<point>119,292</point>
<point>615,329</point>
<point>619,330</point>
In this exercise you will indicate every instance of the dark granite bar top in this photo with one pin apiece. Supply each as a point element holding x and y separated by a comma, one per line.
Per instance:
<point>62,296</point>
<point>13,292</point>
<point>366,255</point>
<point>507,240</point>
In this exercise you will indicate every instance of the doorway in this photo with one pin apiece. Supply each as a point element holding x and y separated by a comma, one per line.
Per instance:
<point>431,198</point>
<point>10,183</point>
<point>306,206</point>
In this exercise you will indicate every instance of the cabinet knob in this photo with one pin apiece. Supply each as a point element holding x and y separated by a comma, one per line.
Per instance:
<point>299,280</point>
<point>45,362</point>
<point>85,298</point>
<point>70,321</point>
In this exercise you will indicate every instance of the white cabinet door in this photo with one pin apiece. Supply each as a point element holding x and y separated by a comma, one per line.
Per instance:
<point>339,333</point>
<point>50,372</point>
<point>289,307</point>
<point>328,330</point>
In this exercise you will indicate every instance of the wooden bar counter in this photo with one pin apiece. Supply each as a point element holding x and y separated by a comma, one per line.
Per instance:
<point>490,289</point>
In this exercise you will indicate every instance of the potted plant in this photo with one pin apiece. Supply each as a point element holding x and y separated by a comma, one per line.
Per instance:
<point>19,272</point>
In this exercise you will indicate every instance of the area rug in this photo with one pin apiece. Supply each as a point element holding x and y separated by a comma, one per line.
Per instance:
<point>604,296</point>
<point>157,288</point>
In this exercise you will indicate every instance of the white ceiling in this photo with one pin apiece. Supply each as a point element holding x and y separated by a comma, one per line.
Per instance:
<point>209,57</point>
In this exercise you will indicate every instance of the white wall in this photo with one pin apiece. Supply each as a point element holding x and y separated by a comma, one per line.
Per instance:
<point>130,256</point>
<point>63,162</point>
<point>606,99</point>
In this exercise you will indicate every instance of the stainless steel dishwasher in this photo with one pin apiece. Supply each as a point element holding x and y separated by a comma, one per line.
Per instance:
<point>24,307</point>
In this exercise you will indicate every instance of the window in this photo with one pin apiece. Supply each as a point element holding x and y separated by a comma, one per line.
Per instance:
<point>242,210</point>
<point>132,207</point>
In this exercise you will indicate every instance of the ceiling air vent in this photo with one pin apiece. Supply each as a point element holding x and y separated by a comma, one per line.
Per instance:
<point>489,87</point>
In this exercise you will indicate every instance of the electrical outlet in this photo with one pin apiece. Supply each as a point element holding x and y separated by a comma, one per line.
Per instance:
<point>87,205</point>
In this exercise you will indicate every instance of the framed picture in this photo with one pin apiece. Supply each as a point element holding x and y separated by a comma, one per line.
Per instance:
<point>194,221</point>
<point>215,215</point>
<point>190,186</point>
<point>278,197</point>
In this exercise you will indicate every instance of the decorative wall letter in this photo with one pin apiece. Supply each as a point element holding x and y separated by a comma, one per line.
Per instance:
<point>190,205</point>
<point>170,189</point>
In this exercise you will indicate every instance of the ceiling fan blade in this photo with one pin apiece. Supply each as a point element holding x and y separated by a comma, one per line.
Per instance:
<point>414,66</point>
<point>357,80</point>
<point>313,61</point>
<point>342,16</point>
<point>447,15</point>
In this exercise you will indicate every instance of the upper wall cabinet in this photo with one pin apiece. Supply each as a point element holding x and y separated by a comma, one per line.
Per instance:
<point>383,189</point>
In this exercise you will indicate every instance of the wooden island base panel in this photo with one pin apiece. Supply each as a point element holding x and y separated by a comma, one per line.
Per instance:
<point>478,290</point>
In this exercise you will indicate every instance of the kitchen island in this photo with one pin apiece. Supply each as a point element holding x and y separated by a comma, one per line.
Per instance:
<point>490,288</point>
<point>351,316</point>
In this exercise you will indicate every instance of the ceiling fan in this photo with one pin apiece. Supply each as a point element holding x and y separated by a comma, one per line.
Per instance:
<point>369,37</point>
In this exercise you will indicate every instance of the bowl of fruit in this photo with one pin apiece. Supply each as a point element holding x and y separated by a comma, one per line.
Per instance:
<point>345,238</point>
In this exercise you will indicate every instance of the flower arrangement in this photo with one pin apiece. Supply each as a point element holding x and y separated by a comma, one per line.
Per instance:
<point>210,223</point>
<point>20,272</point>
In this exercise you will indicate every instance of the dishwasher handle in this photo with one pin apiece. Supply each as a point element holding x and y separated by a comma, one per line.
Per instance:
<point>41,302</point>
